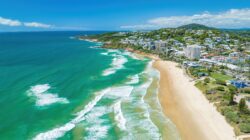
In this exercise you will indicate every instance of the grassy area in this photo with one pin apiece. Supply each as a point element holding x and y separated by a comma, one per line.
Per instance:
<point>211,91</point>
<point>219,76</point>
<point>240,120</point>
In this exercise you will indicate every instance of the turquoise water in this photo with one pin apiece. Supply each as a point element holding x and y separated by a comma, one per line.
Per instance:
<point>54,86</point>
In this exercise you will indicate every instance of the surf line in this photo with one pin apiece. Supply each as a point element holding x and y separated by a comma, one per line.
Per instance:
<point>60,131</point>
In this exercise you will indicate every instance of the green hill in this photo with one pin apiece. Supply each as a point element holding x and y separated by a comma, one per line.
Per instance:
<point>195,26</point>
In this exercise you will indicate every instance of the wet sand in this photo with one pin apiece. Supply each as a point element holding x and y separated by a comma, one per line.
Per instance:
<point>194,117</point>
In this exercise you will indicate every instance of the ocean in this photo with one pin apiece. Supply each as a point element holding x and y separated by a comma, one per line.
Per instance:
<point>55,86</point>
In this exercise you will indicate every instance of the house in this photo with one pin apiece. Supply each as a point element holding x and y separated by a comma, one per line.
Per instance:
<point>191,64</point>
<point>235,58</point>
<point>179,53</point>
<point>219,58</point>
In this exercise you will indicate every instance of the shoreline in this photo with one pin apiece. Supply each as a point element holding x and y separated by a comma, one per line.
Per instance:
<point>193,115</point>
<point>195,118</point>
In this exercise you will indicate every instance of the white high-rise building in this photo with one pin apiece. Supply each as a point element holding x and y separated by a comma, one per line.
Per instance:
<point>193,51</point>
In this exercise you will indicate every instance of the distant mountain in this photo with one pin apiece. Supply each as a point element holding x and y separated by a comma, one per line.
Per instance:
<point>195,26</point>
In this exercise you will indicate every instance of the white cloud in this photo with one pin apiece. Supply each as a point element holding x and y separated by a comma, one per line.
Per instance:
<point>234,18</point>
<point>37,25</point>
<point>9,22</point>
<point>142,26</point>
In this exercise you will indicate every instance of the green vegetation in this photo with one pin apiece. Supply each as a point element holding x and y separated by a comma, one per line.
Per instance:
<point>245,90</point>
<point>230,114</point>
<point>221,77</point>
<point>242,105</point>
<point>245,127</point>
<point>206,80</point>
<point>220,88</point>
<point>195,26</point>
<point>236,114</point>
<point>220,82</point>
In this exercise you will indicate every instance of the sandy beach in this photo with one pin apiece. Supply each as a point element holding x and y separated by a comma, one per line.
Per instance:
<point>193,115</point>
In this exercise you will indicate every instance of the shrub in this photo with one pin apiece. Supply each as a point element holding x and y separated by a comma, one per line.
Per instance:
<point>220,82</point>
<point>220,88</point>
<point>242,104</point>
<point>211,91</point>
<point>245,90</point>
<point>206,80</point>
<point>245,127</point>
<point>232,88</point>
<point>231,98</point>
<point>230,115</point>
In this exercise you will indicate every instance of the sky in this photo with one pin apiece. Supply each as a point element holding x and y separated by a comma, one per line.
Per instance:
<point>41,15</point>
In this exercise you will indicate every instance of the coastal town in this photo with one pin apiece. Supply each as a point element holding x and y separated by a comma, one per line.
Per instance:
<point>218,61</point>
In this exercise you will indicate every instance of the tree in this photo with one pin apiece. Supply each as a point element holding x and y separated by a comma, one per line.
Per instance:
<point>206,80</point>
<point>232,89</point>
<point>221,82</point>
<point>231,99</point>
<point>220,88</point>
<point>242,104</point>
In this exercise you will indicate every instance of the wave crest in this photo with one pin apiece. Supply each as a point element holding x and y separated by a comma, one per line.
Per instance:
<point>117,63</point>
<point>43,97</point>
<point>60,131</point>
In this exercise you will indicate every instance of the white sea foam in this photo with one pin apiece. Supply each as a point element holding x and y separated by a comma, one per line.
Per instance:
<point>132,55</point>
<point>120,92</point>
<point>134,79</point>
<point>105,53</point>
<point>43,97</point>
<point>55,133</point>
<point>117,63</point>
<point>89,106</point>
<point>94,115</point>
<point>96,129</point>
<point>97,132</point>
<point>60,131</point>
<point>94,47</point>
<point>148,129</point>
<point>119,118</point>
<point>113,51</point>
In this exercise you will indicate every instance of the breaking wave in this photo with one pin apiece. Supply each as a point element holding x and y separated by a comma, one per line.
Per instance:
<point>119,92</point>
<point>119,118</point>
<point>133,79</point>
<point>43,97</point>
<point>117,63</point>
<point>60,131</point>
<point>96,129</point>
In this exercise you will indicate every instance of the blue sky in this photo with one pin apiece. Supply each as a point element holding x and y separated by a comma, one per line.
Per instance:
<point>30,15</point>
